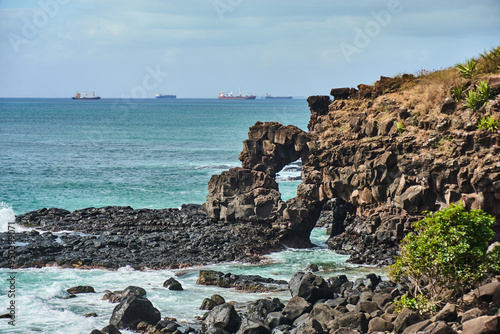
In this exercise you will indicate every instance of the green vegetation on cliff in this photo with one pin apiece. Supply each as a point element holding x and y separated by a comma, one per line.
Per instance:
<point>448,252</point>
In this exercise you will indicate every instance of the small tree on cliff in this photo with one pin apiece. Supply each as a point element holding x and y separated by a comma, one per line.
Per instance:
<point>447,251</point>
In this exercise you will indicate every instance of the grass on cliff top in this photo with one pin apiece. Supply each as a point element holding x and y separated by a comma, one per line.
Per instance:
<point>421,94</point>
<point>430,88</point>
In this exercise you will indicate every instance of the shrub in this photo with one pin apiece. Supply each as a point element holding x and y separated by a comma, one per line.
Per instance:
<point>490,60</point>
<point>449,250</point>
<point>421,304</point>
<point>468,69</point>
<point>477,98</point>
<point>484,91</point>
<point>472,99</point>
<point>487,123</point>
<point>400,126</point>
<point>457,93</point>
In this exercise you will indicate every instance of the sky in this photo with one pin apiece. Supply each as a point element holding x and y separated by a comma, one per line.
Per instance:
<point>196,48</point>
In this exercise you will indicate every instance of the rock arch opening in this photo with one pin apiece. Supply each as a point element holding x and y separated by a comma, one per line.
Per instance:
<point>251,193</point>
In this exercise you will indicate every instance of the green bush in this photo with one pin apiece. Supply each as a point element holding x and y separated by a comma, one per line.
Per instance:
<point>484,91</point>
<point>477,98</point>
<point>472,99</point>
<point>488,123</point>
<point>400,127</point>
<point>490,60</point>
<point>449,250</point>
<point>468,69</point>
<point>457,93</point>
<point>421,304</point>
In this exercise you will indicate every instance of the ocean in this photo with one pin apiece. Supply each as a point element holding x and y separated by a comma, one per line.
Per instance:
<point>150,153</point>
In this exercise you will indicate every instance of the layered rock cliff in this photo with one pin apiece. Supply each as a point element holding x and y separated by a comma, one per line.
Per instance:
<point>251,194</point>
<point>376,156</point>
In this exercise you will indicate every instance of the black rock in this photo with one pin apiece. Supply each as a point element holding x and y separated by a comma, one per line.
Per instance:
<point>259,309</point>
<point>275,319</point>
<point>336,282</point>
<point>173,284</point>
<point>110,329</point>
<point>142,238</point>
<point>295,307</point>
<point>310,287</point>
<point>80,289</point>
<point>250,326</point>
<point>282,329</point>
<point>207,304</point>
<point>223,317</point>
<point>132,311</point>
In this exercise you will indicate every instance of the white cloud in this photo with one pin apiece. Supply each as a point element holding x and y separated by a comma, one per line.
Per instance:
<point>258,42</point>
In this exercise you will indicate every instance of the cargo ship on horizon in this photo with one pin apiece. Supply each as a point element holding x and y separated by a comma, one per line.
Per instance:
<point>268,96</point>
<point>230,96</point>
<point>79,96</point>
<point>165,96</point>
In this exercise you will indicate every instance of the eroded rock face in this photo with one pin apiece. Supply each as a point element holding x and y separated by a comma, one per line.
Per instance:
<point>250,193</point>
<point>383,162</point>
<point>271,146</point>
<point>392,175</point>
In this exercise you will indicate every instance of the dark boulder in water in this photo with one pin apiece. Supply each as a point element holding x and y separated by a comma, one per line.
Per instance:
<point>248,283</point>
<point>172,284</point>
<point>207,304</point>
<point>80,289</point>
<point>210,303</point>
<point>110,329</point>
<point>132,311</point>
<point>118,296</point>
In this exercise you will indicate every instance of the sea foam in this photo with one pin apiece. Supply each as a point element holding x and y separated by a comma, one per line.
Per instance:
<point>6,216</point>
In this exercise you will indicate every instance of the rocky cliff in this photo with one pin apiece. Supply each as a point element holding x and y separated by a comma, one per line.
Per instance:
<point>251,194</point>
<point>376,156</point>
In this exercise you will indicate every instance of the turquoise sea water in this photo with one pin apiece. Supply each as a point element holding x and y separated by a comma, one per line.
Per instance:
<point>141,153</point>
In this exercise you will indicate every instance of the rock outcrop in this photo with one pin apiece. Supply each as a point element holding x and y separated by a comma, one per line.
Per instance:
<point>114,237</point>
<point>382,159</point>
<point>248,283</point>
<point>392,164</point>
<point>365,305</point>
<point>133,310</point>
<point>250,193</point>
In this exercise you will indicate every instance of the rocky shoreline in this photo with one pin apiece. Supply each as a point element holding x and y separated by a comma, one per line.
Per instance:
<point>114,237</point>
<point>333,305</point>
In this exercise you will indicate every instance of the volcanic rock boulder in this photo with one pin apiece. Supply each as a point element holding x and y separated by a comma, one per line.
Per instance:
<point>309,286</point>
<point>223,317</point>
<point>132,311</point>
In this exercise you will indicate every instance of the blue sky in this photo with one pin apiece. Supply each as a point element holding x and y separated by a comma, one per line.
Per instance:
<point>195,48</point>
